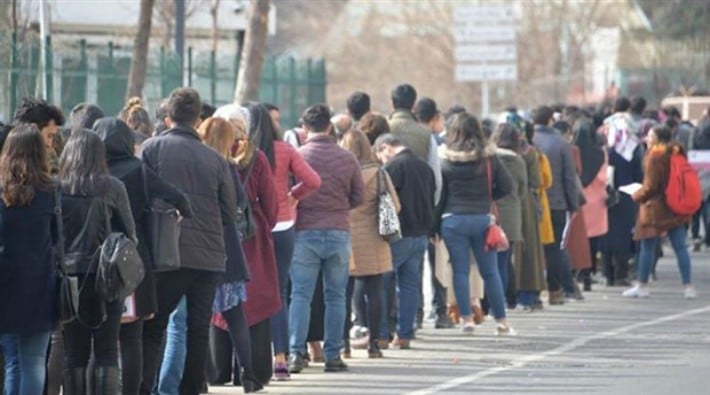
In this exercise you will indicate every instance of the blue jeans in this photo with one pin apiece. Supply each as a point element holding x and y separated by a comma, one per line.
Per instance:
<point>647,254</point>
<point>463,233</point>
<point>25,357</point>
<point>503,264</point>
<point>407,256</point>
<point>175,350</point>
<point>316,250</point>
<point>283,247</point>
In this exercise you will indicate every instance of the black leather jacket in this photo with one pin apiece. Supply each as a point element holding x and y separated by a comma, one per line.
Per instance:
<point>85,222</point>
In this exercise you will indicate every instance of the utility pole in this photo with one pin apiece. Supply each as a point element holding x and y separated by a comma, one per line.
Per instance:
<point>180,34</point>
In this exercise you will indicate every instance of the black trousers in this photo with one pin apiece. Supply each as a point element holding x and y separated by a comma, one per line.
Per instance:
<point>131,339</point>
<point>371,287</point>
<point>261,355</point>
<point>558,268</point>
<point>222,359</point>
<point>199,288</point>
<point>438,300</point>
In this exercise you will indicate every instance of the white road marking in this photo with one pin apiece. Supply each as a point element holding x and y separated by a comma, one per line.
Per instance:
<point>576,343</point>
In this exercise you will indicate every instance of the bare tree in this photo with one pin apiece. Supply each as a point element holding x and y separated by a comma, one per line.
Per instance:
<point>253,52</point>
<point>139,59</point>
<point>165,13</point>
<point>214,7</point>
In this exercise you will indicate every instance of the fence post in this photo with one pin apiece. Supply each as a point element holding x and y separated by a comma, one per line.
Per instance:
<point>13,75</point>
<point>293,87</point>
<point>309,82</point>
<point>84,67</point>
<point>162,73</point>
<point>189,66</point>
<point>213,77</point>
<point>274,80</point>
<point>49,64</point>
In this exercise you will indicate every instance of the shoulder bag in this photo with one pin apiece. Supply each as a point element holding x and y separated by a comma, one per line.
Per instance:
<point>163,231</point>
<point>496,238</point>
<point>68,298</point>
<point>387,218</point>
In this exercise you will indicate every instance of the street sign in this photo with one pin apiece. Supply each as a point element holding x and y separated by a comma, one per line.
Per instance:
<point>484,52</point>
<point>485,72</point>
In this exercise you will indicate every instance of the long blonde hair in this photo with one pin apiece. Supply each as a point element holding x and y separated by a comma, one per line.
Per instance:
<point>218,134</point>
<point>136,116</point>
<point>356,142</point>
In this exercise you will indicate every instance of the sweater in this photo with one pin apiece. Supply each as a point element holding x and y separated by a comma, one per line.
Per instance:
<point>341,188</point>
<point>289,162</point>
<point>413,180</point>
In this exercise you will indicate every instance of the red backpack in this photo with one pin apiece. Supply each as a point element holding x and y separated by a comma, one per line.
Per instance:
<point>683,192</point>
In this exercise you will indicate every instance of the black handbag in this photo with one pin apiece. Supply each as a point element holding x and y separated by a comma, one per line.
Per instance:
<point>245,219</point>
<point>162,224</point>
<point>68,288</point>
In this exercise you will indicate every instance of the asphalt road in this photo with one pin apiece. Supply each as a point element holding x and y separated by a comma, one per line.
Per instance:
<point>603,345</point>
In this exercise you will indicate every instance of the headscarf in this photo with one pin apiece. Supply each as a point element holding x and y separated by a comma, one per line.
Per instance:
<point>240,118</point>
<point>590,149</point>
<point>621,134</point>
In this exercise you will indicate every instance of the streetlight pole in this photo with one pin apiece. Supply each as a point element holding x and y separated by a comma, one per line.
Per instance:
<point>180,34</point>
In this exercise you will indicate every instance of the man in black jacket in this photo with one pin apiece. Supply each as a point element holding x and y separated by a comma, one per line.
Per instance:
<point>414,182</point>
<point>180,158</point>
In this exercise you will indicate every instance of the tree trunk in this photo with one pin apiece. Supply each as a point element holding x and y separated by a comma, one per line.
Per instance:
<point>139,59</point>
<point>253,52</point>
<point>215,26</point>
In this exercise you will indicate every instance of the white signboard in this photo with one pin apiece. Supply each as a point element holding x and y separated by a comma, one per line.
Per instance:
<point>481,34</point>
<point>490,13</point>
<point>485,52</point>
<point>486,72</point>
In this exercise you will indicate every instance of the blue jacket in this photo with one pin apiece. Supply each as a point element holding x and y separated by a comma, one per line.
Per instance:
<point>27,275</point>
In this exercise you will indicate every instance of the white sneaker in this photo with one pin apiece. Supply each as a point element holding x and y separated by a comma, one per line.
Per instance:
<point>637,292</point>
<point>690,293</point>
<point>505,330</point>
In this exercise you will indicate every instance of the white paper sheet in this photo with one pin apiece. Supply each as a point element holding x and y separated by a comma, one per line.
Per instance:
<point>630,189</point>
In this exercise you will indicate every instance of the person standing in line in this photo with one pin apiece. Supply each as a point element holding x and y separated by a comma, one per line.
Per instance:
<point>593,178</point>
<point>89,194</point>
<point>294,180</point>
<point>507,141</point>
<point>231,292</point>
<point>429,115</point>
<point>655,218</point>
<point>27,276</point>
<point>563,196</point>
<point>119,141</point>
<point>371,256</point>
<point>323,240</point>
<point>418,138</point>
<point>414,182</point>
<point>179,157</point>
<point>358,105</point>
<point>465,214</point>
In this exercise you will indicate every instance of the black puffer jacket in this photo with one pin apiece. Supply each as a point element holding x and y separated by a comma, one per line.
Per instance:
<point>118,139</point>
<point>180,158</point>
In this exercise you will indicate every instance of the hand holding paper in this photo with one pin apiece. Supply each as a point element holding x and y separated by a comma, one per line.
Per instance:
<point>630,189</point>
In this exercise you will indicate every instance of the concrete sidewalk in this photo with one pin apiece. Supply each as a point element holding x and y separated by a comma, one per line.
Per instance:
<point>604,345</point>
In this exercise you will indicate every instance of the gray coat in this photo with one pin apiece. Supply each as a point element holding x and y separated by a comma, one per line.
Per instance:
<point>509,207</point>
<point>564,193</point>
<point>180,158</point>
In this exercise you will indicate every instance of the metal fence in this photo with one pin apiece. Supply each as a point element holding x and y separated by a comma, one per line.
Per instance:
<point>99,74</point>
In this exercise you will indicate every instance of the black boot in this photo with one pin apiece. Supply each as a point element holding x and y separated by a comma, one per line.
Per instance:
<point>621,270</point>
<point>250,383</point>
<point>106,380</point>
<point>587,279</point>
<point>74,381</point>
<point>609,269</point>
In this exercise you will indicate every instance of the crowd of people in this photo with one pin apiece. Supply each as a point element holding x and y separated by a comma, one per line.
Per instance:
<point>297,246</point>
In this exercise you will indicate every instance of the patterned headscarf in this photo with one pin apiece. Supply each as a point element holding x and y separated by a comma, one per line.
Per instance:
<point>240,118</point>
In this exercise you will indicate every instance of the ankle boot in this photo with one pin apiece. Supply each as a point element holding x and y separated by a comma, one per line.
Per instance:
<point>75,381</point>
<point>621,271</point>
<point>454,314</point>
<point>250,383</point>
<point>106,380</point>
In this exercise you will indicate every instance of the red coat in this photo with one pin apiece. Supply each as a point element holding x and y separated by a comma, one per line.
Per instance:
<point>263,299</point>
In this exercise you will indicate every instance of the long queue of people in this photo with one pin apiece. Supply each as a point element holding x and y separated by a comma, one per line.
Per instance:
<point>297,246</point>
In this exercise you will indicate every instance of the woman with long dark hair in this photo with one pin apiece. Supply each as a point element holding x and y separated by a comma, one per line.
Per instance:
<point>27,275</point>
<point>142,185</point>
<point>465,214</point>
<point>294,179</point>
<point>89,194</point>
<point>593,178</point>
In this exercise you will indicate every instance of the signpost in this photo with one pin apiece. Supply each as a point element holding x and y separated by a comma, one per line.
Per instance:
<point>484,46</point>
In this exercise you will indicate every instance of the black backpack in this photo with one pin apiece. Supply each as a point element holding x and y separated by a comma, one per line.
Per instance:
<point>120,269</point>
<point>245,219</point>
